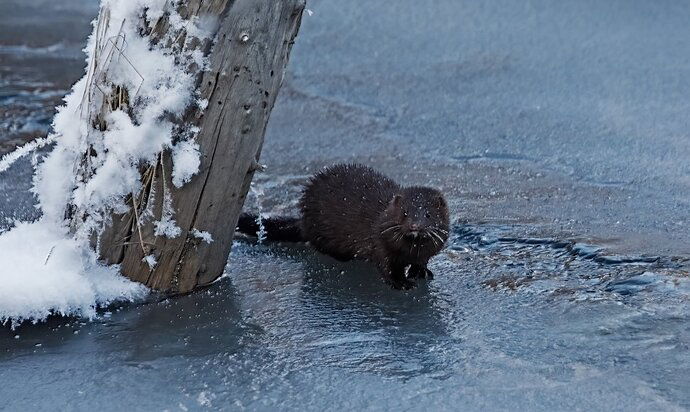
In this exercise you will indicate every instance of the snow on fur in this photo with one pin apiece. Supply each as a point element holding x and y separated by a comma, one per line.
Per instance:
<point>48,269</point>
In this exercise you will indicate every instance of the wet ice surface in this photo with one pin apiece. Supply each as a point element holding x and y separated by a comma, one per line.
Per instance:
<point>505,324</point>
<point>40,58</point>
<point>559,133</point>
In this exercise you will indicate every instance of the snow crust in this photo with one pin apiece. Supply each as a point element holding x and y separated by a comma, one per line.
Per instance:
<point>50,269</point>
<point>205,236</point>
<point>45,272</point>
<point>186,161</point>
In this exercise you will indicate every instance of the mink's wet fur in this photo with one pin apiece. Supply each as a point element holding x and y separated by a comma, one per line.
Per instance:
<point>350,211</point>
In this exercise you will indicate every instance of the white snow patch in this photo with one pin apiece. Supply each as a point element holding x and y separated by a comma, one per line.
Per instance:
<point>205,236</point>
<point>258,193</point>
<point>186,161</point>
<point>150,260</point>
<point>45,272</point>
<point>167,226</point>
<point>7,160</point>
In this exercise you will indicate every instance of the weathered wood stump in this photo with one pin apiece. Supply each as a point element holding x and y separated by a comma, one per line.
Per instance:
<point>248,60</point>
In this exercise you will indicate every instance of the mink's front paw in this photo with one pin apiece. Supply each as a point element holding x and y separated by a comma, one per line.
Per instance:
<point>403,284</point>
<point>419,272</point>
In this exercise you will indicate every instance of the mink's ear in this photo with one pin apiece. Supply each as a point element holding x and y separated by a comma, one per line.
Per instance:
<point>441,201</point>
<point>396,202</point>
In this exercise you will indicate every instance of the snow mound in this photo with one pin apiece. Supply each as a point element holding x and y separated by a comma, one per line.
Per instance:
<point>95,166</point>
<point>46,272</point>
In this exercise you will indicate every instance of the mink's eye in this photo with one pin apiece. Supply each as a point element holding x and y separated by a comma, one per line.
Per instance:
<point>405,213</point>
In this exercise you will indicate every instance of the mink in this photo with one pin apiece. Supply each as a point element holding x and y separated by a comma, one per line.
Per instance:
<point>351,211</point>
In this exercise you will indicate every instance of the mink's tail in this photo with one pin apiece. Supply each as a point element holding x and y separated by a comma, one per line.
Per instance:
<point>278,229</point>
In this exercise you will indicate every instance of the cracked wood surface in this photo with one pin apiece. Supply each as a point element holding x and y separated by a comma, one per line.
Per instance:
<point>247,66</point>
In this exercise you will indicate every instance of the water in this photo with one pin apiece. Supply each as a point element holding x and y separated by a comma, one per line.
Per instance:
<point>40,58</point>
<point>558,131</point>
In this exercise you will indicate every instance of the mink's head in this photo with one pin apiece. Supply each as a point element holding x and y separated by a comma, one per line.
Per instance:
<point>417,221</point>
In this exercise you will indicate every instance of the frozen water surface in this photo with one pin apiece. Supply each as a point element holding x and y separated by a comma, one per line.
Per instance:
<point>559,131</point>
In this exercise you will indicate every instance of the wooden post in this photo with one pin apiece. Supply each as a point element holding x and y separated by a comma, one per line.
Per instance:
<point>247,63</point>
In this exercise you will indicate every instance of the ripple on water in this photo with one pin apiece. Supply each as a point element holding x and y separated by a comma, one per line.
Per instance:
<point>563,267</point>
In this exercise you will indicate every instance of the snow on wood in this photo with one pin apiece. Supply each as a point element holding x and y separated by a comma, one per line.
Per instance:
<point>159,137</point>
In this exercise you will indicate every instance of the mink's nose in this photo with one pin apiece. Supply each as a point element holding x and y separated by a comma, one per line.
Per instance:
<point>413,232</point>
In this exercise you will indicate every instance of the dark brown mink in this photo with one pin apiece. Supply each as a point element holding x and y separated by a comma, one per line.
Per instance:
<point>351,211</point>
